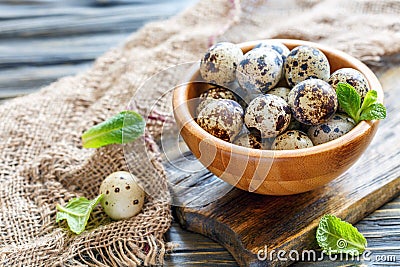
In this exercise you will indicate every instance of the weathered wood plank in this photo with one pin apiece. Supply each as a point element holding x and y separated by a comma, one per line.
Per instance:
<point>59,26</point>
<point>64,34</point>
<point>52,51</point>
<point>64,20</point>
<point>381,228</point>
<point>195,250</point>
<point>244,223</point>
<point>45,4</point>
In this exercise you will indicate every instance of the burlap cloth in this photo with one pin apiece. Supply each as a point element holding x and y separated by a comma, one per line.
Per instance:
<point>43,163</point>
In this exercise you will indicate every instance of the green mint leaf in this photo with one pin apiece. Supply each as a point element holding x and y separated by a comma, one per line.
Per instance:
<point>124,127</point>
<point>335,236</point>
<point>349,99</point>
<point>370,98</point>
<point>376,111</point>
<point>77,212</point>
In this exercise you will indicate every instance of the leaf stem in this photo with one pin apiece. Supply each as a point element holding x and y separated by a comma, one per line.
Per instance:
<point>61,208</point>
<point>357,118</point>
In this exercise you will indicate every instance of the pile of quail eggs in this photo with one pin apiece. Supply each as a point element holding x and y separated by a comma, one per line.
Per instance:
<point>273,98</point>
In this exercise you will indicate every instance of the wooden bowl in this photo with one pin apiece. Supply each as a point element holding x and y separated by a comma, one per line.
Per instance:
<point>270,172</point>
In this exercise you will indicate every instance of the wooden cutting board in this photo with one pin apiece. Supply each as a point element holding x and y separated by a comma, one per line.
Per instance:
<point>246,223</point>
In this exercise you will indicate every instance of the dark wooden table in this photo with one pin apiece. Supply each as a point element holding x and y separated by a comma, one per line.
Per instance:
<point>42,40</point>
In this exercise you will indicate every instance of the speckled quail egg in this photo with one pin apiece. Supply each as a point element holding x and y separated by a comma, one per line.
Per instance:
<point>305,62</point>
<point>277,46</point>
<point>222,118</point>
<point>337,126</point>
<point>281,92</point>
<point>248,140</point>
<point>123,197</point>
<point>260,69</point>
<point>220,62</point>
<point>215,92</point>
<point>269,114</point>
<point>313,101</point>
<point>352,77</point>
<point>292,139</point>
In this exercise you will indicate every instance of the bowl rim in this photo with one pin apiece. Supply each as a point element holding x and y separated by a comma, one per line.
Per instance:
<point>179,99</point>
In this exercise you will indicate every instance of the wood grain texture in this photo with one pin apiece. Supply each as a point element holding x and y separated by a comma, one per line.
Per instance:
<point>43,40</point>
<point>244,223</point>
<point>196,250</point>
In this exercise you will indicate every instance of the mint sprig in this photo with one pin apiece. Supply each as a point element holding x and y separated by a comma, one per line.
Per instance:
<point>335,236</point>
<point>77,212</point>
<point>124,127</point>
<point>350,100</point>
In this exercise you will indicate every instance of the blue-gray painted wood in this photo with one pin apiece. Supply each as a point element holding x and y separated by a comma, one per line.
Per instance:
<point>37,35</point>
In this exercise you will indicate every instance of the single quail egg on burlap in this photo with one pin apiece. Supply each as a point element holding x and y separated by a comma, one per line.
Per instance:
<point>123,197</point>
<point>282,92</point>
<point>337,126</point>
<point>352,77</point>
<point>215,92</point>
<point>313,101</point>
<point>292,139</point>
<point>220,62</point>
<point>305,62</point>
<point>222,118</point>
<point>277,46</point>
<point>269,114</point>
<point>260,69</point>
